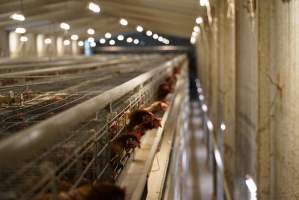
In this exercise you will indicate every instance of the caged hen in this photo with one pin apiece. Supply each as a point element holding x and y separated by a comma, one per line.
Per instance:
<point>142,120</point>
<point>96,191</point>
<point>157,107</point>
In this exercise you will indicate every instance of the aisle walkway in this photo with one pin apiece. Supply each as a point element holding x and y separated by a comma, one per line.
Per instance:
<point>201,176</point>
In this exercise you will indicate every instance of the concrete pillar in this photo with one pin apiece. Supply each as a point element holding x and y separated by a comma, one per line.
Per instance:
<point>246,97</point>
<point>40,45</point>
<point>59,46</point>
<point>51,49</point>
<point>281,74</point>
<point>29,49</point>
<point>227,84</point>
<point>4,43</point>
<point>14,43</point>
<point>75,48</point>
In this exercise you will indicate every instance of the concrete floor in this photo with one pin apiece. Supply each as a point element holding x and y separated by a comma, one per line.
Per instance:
<point>201,176</point>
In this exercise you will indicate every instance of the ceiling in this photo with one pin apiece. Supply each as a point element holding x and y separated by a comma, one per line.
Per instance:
<point>171,17</point>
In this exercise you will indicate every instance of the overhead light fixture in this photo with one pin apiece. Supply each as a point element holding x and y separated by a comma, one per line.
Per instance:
<point>94,7</point>
<point>74,37</point>
<point>93,44</point>
<point>204,107</point>
<point>90,39</point>
<point>199,20</point>
<point>204,3</point>
<point>48,41</point>
<point>102,41</point>
<point>160,38</point>
<point>65,26</point>
<point>108,35</point>
<point>112,42</point>
<point>136,41</point>
<point>201,97</point>
<point>155,36</point>
<point>165,41</point>
<point>90,31</point>
<point>66,42</point>
<point>149,33</point>
<point>139,28</point>
<point>129,40</point>
<point>80,43</point>
<point>192,40</point>
<point>120,37</point>
<point>123,22</point>
<point>20,30</point>
<point>196,29</point>
<point>222,126</point>
<point>23,39</point>
<point>17,17</point>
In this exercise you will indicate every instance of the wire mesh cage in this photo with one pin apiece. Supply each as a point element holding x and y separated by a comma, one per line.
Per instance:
<point>83,154</point>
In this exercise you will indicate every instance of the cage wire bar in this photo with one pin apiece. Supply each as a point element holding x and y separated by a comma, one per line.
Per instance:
<point>73,147</point>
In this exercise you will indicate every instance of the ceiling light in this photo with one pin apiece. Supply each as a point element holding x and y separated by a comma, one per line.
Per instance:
<point>139,28</point>
<point>204,3</point>
<point>136,41</point>
<point>65,26</point>
<point>23,39</point>
<point>160,39</point>
<point>120,37</point>
<point>66,42</point>
<point>149,33</point>
<point>94,7</point>
<point>90,39</point>
<point>102,41</point>
<point>165,41</point>
<point>129,40</point>
<point>155,36</point>
<point>90,31</point>
<point>192,40</point>
<point>196,29</point>
<point>20,30</point>
<point>48,41</point>
<point>204,107</point>
<point>108,35</point>
<point>74,37</point>
<point>80,43</point>
<point>17,17</point>
<point>222,126</point>
<point>123,22</point>
<point>112,42</point>
<point>199,20</point>
<point>93,44</point>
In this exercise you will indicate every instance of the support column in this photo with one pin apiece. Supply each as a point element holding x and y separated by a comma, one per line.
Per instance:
<point>246,97</point>
<point>14,44</point>
<point>40,45</point>
<point>59,45</point>
<point>4,43</point>
<point>227,85</point>
<point>285,81</point>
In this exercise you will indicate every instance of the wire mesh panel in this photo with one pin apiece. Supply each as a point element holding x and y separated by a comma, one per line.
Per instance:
<point>83,153</point>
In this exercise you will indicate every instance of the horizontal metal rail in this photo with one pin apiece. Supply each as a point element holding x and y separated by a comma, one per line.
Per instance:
<point>48,132</point>
<point>217,164</point>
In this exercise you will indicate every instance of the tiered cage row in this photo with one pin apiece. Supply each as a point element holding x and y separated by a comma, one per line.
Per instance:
<point>82,155</point>
<point>37,100</point>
